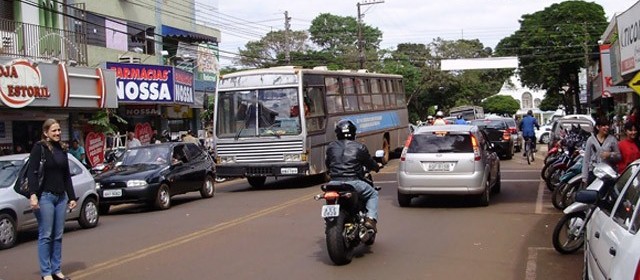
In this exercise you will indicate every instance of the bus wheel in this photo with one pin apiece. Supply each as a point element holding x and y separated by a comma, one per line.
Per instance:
<point>386,149</point>
<point>256,182</point>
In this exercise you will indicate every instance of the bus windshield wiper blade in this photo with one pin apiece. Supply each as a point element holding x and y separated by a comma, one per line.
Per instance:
<point>238,134</point>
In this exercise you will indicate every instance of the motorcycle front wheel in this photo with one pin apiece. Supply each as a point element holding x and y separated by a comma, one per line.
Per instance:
<point>338,248</point>
<point>567,238</point>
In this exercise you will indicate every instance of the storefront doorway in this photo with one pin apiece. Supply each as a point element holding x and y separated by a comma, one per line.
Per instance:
<point>26,133</point>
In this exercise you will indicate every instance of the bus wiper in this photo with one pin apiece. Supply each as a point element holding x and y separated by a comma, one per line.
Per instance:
<point>239,132</point>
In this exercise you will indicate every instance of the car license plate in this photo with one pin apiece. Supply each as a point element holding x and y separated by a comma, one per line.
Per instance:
<point>329,211</point>
<point>288,170</point>
<point>440,166</point>
<point>112,193</point>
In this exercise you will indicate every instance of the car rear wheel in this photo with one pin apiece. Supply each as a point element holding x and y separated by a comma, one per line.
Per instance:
<point>89,214</point>
<point>163,198</point>
<point>485,196</point>
<point>208,189</point>
<point>8,231</point>
<point>545,138</point>
<point>498,185</point>
<point>404,200</point>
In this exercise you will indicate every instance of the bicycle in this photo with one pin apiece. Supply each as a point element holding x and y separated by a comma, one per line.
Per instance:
<point>528,150</point>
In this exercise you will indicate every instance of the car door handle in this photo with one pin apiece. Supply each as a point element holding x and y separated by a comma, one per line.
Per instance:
<point>597,234</point>
<point>612,251</point>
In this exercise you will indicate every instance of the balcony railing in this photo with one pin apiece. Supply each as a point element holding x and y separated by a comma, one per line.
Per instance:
<point>18,39</point>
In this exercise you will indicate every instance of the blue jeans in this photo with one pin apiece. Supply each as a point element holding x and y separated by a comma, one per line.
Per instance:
<point>51,217</point>
<point>368,193</point>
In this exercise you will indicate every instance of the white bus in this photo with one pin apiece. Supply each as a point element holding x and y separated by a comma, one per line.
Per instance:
<point>468,112</point>
<point>277,122</point>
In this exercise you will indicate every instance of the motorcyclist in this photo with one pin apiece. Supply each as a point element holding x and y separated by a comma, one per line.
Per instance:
<point>439,119</point>
<point>345,161</point>
<point>526,126</point>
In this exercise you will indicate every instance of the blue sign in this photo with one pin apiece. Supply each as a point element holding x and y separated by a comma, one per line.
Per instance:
<point>184,87</point>
<point>143,83</point>
<point>375,121</point>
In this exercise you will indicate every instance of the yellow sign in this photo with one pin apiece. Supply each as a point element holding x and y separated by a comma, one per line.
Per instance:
<point>635,83</point>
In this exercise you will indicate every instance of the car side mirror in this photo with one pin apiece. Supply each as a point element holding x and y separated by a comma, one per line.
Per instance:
<point>587,196</point>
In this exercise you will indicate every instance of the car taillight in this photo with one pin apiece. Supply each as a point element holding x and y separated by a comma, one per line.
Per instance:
<point>513,130</point>
<point>506,135</point>
<point>406,147</point>
<point>476,147</point>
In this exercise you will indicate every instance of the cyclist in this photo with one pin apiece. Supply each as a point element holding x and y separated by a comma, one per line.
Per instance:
<point>526,126</point>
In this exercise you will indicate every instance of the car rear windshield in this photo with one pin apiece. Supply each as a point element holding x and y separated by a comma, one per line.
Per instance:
<point>441,142</point>
<point>495,124</point>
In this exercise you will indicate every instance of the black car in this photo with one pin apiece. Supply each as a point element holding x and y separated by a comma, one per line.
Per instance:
<point>498,132</point>
<point>154,173</point>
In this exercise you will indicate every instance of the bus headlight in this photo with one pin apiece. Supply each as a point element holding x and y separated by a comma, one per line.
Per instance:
<point>292,157</point>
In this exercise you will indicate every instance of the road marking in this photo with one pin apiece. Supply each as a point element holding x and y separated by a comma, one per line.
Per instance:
<point>541,187</point>
<point>532,262</point>
<point>100,267</point>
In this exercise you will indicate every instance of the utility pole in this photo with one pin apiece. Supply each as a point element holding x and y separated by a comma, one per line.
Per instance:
<point>360,40</point>
<point>287,25</point>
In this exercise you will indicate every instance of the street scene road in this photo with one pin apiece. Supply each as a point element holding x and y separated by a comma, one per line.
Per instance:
<point>276,232</point>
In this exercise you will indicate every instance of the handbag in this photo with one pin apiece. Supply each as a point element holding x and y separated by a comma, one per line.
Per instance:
<point>23,188</point>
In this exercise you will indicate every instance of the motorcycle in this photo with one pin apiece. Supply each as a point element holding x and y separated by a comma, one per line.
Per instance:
<point>344,214</point>
<point>567,183</point>
<point>568,234</point>
<point>111,158</point>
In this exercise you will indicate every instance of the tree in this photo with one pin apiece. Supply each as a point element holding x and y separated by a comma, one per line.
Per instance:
<point>501,105</point>
<point>269,51</point>
<point>553,44</point>
<point>551,101</point>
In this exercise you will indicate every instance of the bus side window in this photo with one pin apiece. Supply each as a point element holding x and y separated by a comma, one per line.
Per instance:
<point>314,99</point>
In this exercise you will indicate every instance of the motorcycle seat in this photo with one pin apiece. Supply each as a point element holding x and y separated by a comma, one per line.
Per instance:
<point>337,186</point>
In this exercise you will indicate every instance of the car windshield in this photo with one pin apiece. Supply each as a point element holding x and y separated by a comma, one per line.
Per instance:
<point>495,124</point>
<point>9,171</point>
<point>441,142</point>
<point>151,154</point>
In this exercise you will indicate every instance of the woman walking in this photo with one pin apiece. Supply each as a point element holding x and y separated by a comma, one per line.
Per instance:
<point>49,201</point>
<point>600,148</point>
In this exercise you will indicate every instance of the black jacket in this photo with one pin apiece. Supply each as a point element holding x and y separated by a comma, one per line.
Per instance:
<point>345,159</point>
<point>57,177</point>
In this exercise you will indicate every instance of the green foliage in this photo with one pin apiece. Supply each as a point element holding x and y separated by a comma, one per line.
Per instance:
<point>269,51</point>
<point>105,121</point>
<point>551,101</point>
<point>501,105</point>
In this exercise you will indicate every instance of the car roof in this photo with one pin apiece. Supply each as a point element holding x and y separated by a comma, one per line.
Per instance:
<point>164,144</point>
<point>450,128</point>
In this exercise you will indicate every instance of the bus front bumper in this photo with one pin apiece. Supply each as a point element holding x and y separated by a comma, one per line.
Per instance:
<point>267,170</point>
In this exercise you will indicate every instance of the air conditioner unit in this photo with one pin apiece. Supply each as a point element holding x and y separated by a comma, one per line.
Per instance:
<point>129,59</point>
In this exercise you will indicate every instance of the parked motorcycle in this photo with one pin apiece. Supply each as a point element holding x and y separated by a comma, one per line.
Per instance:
<point>111,158</point>
<point>344,213</point>
<point>568,235</point>
<point>568,183</point>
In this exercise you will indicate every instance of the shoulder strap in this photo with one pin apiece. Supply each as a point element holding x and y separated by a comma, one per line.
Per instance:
<point>43,159</point>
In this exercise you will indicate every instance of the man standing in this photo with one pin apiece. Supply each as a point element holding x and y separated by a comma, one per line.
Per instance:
<point>132,141</point>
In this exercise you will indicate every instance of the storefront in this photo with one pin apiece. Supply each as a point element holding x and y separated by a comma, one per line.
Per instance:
<point>31,92</point>
<point>158,96</point>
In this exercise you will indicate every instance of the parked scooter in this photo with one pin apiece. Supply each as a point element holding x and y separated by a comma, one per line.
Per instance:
<point>568,235</point>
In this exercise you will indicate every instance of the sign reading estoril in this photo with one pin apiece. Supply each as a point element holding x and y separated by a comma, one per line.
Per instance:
<point>139,83</point>
<point>635,83</point>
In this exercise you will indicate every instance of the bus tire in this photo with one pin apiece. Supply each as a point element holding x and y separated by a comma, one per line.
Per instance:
<point>256,182</point>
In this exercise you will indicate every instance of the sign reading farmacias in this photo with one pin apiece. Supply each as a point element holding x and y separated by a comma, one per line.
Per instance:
<point>143,83</point>
<point>21,84</point>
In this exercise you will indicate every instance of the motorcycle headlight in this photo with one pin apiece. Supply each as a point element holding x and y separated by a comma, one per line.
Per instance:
<point>292,157</point>
<point>136,183</point>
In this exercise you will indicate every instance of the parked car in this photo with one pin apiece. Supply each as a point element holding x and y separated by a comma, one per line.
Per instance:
<point>543,135</point>
<point>560,127</point>
<point>452,159</point>
<point>498,133</point>
<point>15,212</point>
<point>612,242</point>
<point>152,174</point>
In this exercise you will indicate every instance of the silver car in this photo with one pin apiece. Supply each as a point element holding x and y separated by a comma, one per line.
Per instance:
<point>446,160</point>
<point>16,214</point>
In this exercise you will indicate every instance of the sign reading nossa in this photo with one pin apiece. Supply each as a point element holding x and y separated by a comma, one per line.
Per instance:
<point>21,83</point>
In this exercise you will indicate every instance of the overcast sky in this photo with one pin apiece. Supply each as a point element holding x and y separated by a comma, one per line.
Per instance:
<point>401,21</point>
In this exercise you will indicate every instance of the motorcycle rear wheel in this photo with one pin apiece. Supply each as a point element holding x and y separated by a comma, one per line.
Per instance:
<point>338,248</point>
<point>557,198</point>
<point>566,229</point>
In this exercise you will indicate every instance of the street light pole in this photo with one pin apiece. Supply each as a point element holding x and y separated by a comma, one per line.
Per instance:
<point>361,55</point>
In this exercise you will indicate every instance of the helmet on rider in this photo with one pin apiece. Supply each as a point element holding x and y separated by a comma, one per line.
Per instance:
<point>430,117</point>
<point>439,114</point>
<point>345,129</point>
<point>530,113</point>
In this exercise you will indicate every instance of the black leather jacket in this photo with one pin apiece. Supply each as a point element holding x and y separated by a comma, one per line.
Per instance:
<point>345,159</point>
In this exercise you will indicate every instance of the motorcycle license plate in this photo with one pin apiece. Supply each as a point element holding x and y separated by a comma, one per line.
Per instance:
<point>329,211</point>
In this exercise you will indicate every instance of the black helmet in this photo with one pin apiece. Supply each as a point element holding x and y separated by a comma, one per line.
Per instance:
<point>346,129</point>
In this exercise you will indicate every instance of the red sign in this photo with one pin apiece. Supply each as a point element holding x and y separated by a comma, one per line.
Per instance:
<point>94,148</point>
<point>144,133</point>
<point>21,83</point>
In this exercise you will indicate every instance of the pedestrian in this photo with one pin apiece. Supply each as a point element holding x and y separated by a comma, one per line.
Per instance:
<point>132,141</point>
<point>19,150</point>
<point>50,200</point>
<point>628,149</point>
<point>78,152</point>
<point>187,137</point>
<point>429,120</point>
<point>600,148</point>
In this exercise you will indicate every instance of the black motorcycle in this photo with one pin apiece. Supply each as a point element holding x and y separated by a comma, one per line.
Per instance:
<point>344,214</point>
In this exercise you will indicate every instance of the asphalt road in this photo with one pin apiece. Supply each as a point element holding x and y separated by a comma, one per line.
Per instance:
<point>277,233</point>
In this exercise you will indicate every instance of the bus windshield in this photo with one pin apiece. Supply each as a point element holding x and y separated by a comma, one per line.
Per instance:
<point>256,113</point>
